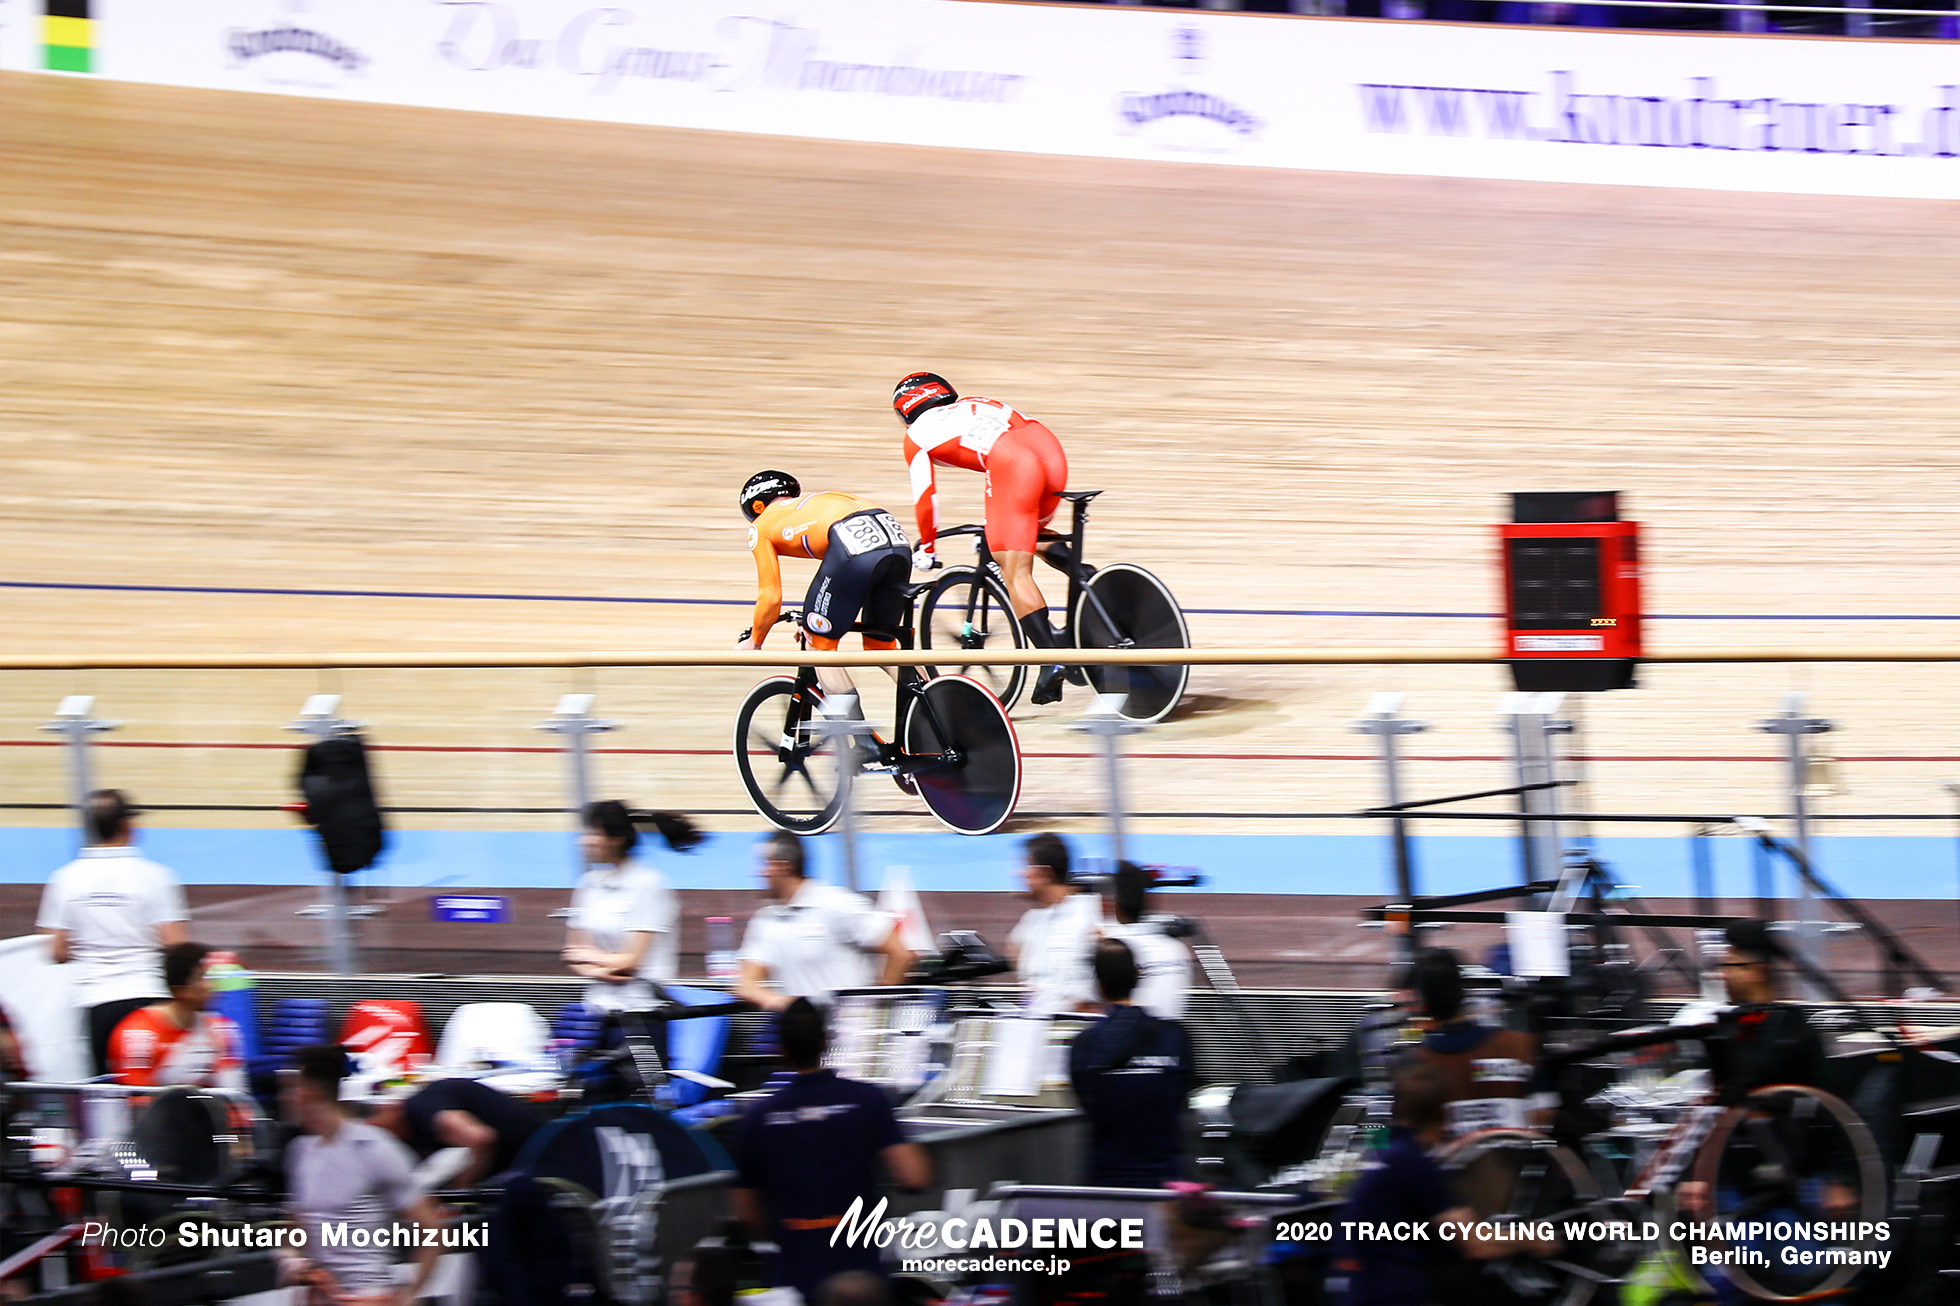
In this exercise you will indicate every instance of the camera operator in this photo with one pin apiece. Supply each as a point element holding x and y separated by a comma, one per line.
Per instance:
<point>1486,1071</point>
<point>1163,962</point>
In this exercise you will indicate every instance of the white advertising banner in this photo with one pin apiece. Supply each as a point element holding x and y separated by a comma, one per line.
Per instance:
<point>1849,117</point>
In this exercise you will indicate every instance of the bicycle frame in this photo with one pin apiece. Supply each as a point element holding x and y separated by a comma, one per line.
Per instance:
<point>1075,539</point>
<point>910,687</point>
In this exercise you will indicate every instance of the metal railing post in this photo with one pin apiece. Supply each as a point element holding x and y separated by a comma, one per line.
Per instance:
<point>1795,727</point>
<point>572,720</point>
<point>73,722</point>
<point>1385,723</point>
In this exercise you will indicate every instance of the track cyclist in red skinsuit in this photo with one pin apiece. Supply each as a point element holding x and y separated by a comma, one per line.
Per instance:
<point>1026,473</point>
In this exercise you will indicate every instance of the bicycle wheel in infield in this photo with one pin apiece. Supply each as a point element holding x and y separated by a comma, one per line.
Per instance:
<point>977,793</point>
<point>790,775</point>
<point>1520,1176</point>
<point>1132,609</point>
<point>1800,1158</point>
<point>967,609</point>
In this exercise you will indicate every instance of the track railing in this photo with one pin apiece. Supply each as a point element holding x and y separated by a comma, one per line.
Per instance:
<point>791,657</point>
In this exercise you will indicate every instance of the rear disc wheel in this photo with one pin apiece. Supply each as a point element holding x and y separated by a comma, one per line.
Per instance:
<point>1133,609</point>
<point>975,794</point>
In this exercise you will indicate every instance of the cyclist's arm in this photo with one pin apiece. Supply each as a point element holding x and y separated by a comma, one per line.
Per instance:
<point>768,583</point>
<point>919,460</point>
<point>925,493</point>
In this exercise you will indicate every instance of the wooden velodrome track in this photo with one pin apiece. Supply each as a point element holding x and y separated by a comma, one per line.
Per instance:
<point>267,343</point>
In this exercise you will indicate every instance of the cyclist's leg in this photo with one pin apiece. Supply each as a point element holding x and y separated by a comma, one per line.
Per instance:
<point>886,605</point>
<point>830,605</point>
<point>846,587</point>
<point>1026,473</point>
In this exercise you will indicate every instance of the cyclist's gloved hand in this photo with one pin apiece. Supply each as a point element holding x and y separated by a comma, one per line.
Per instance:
<point>924,559</point>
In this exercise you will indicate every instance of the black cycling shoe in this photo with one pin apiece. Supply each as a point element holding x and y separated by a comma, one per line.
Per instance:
<point>1076,675</point>
<point>1048,687</point>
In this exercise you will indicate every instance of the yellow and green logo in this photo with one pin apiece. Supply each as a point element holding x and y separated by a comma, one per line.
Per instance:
<point>68,36</point>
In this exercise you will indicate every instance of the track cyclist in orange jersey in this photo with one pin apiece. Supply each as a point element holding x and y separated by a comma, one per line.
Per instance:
<point>1026,473</point>
<point>864,562</point>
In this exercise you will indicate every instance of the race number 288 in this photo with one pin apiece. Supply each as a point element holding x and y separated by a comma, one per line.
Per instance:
<point>1303,1231</point>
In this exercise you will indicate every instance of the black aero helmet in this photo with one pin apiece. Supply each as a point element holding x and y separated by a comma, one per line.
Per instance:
<point>920,391</point>
<point>764,488</point>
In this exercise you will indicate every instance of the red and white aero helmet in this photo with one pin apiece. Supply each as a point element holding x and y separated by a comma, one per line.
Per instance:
<point>920,391</point>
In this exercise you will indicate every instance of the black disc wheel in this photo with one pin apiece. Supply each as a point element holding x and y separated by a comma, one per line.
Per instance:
<point>967,609</point>
<point>975,791</point>
<point>790,773</point>
<point>1801,1162</point>
<point>1127,607</point>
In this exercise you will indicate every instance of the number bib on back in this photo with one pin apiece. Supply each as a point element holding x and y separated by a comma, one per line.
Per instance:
<point>865,531</point>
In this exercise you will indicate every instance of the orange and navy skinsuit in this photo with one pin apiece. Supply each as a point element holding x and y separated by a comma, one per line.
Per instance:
<point>865,562</point>
<point>1024,464</point>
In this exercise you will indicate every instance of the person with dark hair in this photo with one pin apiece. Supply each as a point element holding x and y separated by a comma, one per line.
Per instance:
<point>460,1113</point>
<point>864,563</point>
<point>346,1172</point>
<point>178,1041</point>
<point>624,930</point>
<point>809,940</point>
<point>1131,1073</point>
<point>111,912</point>
<point>1486,1070</point>
<point>1050,944</point>
<point>807,1156</point>
<point>1163,963</point>
<point>1403,1186</point>
<point>1768,1041</point>
<point>1765,1041</point>
<point>1026,473</point>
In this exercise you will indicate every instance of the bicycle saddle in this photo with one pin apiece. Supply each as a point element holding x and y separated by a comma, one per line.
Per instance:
<point>1079,496</point>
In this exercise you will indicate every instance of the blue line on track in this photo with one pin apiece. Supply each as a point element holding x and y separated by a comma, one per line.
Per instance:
<point>746,603</point>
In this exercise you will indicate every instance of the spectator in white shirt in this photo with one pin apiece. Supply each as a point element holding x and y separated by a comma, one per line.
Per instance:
<point>1050,946</point>
<point>624,930</point>
<point>111,913</point>
<point>810,940</point>
<point>1163,963</point>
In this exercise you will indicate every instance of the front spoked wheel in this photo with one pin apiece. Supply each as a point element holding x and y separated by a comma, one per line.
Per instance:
<point>974,792</point>
<point>790,774</point>
<point>967,609</point>
<point>1131,608</point>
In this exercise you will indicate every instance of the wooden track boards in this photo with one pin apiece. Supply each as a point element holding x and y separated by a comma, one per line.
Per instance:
<point>265,342</point>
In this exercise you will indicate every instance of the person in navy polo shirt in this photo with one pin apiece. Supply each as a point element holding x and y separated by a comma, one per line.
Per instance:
<point>1131,1072</point>
<point>807,1151</point>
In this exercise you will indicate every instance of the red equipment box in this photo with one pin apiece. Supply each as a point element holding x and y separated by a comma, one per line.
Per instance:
<point>1571,592</point>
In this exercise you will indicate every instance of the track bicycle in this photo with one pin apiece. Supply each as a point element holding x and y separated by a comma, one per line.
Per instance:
<point>1117,606</point>
<point>953,745</point>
